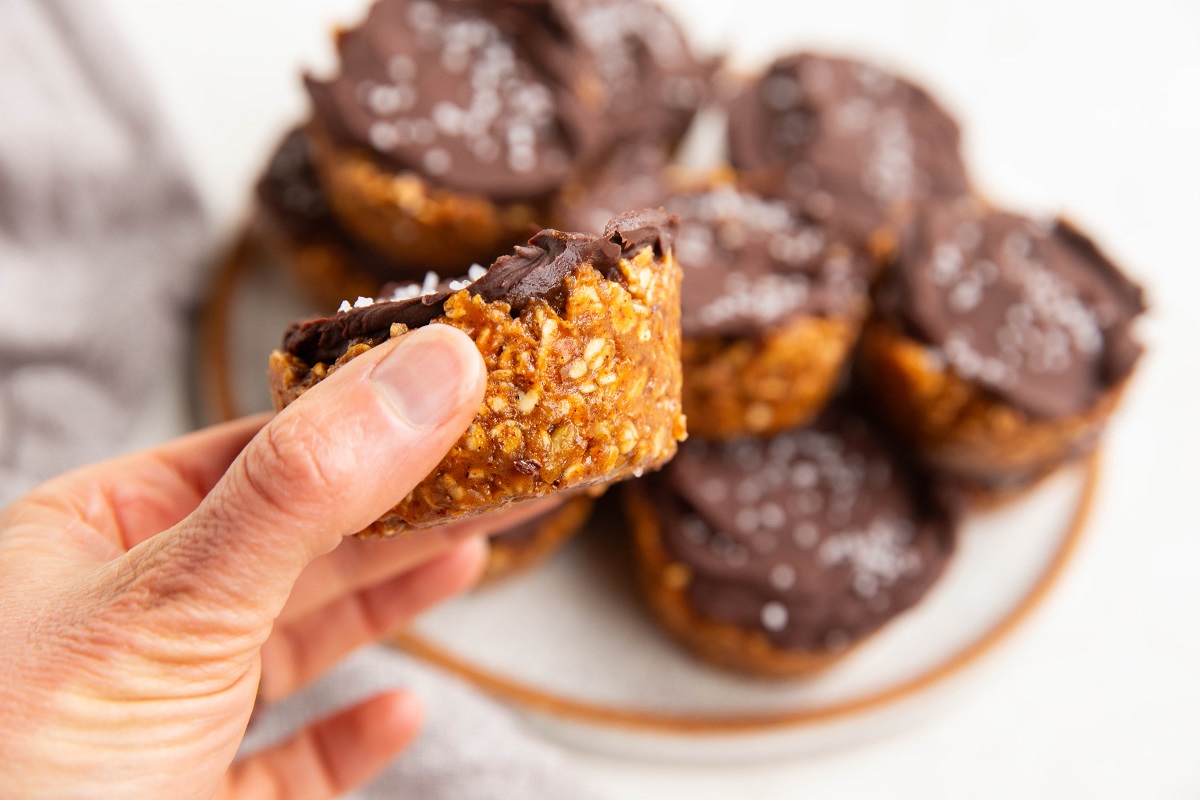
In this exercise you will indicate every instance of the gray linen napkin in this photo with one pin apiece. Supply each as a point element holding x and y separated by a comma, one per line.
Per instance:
<point>101,234</point>
<point>470,748</point>
<point>101,237</point>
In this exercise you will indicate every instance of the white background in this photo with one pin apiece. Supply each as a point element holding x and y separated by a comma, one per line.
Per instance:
<point>1091,108</point>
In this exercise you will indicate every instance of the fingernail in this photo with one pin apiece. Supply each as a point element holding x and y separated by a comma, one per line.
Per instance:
<point>423,378</point>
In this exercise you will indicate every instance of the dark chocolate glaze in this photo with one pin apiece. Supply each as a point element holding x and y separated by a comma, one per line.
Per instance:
<point>751,264</point>
<point>294,202</point>
<point>1030,310</point>
<point>456,91</point>
<point>507,98</point>
<point>536,271</point>
<point>815,537</point>
<point>841,136</point>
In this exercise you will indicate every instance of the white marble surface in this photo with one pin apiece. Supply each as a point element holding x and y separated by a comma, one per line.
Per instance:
<point>1089,108</point>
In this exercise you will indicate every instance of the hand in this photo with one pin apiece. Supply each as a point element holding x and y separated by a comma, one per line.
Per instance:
<point>146,602</point>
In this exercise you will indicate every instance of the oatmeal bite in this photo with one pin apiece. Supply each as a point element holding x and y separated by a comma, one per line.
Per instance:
<point>776,556</point>
<point>1002,343</point>
<point>842,137</point>
<point>451,125</point>
<point>772,306</point>
<point>773,298</point>
<point>580,337</point>
<point>443,134</point>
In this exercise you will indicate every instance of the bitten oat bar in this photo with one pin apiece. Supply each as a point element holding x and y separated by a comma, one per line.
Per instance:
<point>843,138</point>
<point>1002,343</point>
<point>776,556</point>
<point>580,336</point>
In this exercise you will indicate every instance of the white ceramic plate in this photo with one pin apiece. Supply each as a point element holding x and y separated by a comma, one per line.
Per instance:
<point>570,646</point>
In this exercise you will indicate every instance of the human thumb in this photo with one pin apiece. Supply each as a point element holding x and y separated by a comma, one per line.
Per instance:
<point>325,467</point>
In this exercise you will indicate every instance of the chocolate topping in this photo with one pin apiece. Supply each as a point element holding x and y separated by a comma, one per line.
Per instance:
<point>506,98</point>
<point>1031,311</point>
<point>293,200</point>
<point>455,92</point>
<point>536,271</point>
<point>842,136</point>
<point>751,263</point>
<point>815,537</point>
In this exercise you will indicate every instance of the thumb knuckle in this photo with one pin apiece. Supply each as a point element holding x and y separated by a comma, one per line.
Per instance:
<point>295,463</point>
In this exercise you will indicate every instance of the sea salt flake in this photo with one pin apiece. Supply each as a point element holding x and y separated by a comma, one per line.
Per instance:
<point>430,284</point>
<point>437,161</point>
<point>383,135</point>
<point>774,616</point>
<point>772,516</point>
<point>783,577</point>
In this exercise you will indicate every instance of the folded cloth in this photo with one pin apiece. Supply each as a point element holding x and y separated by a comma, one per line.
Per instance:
<point>101,240</point>
<point>470,748</point>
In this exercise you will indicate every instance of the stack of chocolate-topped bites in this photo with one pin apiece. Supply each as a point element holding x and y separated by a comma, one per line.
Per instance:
<point>445,139</point>
<point>867,346</point>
